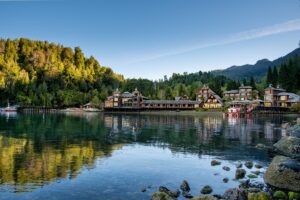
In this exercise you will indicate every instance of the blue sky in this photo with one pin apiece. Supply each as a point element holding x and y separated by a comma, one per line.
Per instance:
<point>150,39</point>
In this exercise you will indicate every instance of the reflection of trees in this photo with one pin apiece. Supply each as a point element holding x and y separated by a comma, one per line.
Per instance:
<point>35,150</point>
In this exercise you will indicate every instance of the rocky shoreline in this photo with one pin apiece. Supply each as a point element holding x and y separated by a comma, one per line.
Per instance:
<point>281,179</point>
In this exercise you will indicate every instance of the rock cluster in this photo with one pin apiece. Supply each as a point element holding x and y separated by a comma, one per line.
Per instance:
<point>284,170</point>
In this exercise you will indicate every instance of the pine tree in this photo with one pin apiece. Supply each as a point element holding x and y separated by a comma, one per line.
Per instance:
<point>252,82</point>
<point>269,76</point>
<point>275,77</point>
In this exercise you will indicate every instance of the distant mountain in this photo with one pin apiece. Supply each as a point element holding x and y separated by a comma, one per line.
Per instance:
<point>258,70</point>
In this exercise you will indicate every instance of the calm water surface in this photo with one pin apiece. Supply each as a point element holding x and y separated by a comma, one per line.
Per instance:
<point>114,156</point>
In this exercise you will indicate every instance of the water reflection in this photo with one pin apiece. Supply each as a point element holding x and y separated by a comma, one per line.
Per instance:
<point>36,150</point>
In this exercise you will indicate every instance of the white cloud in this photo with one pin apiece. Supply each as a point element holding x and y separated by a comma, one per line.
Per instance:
<point>288,26</point>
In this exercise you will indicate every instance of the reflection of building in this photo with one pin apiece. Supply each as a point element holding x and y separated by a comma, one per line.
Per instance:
<point>277,97</point>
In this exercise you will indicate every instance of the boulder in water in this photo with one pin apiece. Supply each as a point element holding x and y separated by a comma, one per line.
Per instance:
<point>173,194</point>
<point>249,164</point>
<point>160,196</point>
<point>284,173</point>
<point>206,190</point>
<point>259,196</point>
<point>240,173</point>
<point>288,146</point>
<point>185,187</point>
<point>235,194</point>
<point>215,162</point>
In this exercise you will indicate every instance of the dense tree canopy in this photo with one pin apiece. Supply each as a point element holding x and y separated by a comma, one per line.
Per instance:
<point>47,74</point>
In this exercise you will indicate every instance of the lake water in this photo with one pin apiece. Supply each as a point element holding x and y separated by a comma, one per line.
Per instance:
<point>114,156</point>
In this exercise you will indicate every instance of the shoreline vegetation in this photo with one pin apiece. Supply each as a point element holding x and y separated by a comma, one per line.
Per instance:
<point>41,73</point>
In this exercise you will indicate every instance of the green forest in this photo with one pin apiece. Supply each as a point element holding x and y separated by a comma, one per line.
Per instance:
<point>39,73</point>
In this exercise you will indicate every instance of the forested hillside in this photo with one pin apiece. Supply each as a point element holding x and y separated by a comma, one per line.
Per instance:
<point>47,74</point>
<point>286,75</point>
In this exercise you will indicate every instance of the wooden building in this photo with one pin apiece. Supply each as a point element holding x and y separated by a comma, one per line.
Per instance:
<point>208,98</point>
<point>278,97</point>
<point>242,94</point>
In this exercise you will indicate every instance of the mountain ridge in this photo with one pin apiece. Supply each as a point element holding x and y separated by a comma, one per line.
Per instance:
<point>257,70</point>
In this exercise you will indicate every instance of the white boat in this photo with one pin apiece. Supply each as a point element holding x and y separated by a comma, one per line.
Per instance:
<point>9,109</point>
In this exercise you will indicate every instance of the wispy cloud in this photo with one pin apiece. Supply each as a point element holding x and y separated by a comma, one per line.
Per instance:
<point>288,26</point>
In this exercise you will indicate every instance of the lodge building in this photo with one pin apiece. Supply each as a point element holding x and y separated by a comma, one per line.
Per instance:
<point>242,94</point>
<point>209,98</point>
<point>278,97</point>
<point>206,98</point>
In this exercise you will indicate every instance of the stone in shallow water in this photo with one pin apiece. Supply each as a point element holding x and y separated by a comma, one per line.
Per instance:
<point>215,162</point>
<point>249,164</point>
<point>226,168</point>
<point>259,196</point>
<point>279,195</point>
<point>173,194</point>
<point>185,187</point>
<point>225,180</point>
<point>240,173</point>
<point>294,196</point>
<point>160,196</point>
<point>206,190</point>
<point>235,194</point>
<point>284,173</point>
<point>239,165</point>
<point>258,166</point>
<point>252,176</point>
<point>205,197</point>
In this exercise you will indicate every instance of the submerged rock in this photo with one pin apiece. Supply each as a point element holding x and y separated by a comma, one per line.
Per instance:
<point>279,195</point>
<point>288,146</point>
<point>235,194</point>
<point>259,196</point>
<point>226,168</point>
<point>239,165</point>
<point>257,172</point>
<point>185,187</point>
<point>258,166</point>
<point>260,146</point>
<point>252,176</point>
<point>294,130</point>
<point>249,164</point>
<point>187,195</point>
<point>284,173</point>
<point>215,162</point>
<point>143,189</point>
<point>206,190</point>
<point>160,196</point>
<point>225,180</point>
<point>240,173</point>
<point>173,194</point>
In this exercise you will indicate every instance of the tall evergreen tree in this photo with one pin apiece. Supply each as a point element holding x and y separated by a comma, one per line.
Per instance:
<point>269,76</point>
<point>275,77</point>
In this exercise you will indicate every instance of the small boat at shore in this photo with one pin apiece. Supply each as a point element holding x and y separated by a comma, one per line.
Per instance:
<point>9,109</point>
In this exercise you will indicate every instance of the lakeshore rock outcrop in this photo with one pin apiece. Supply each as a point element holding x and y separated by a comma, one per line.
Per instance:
<point>288,146</point>
<point>284,173</point>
